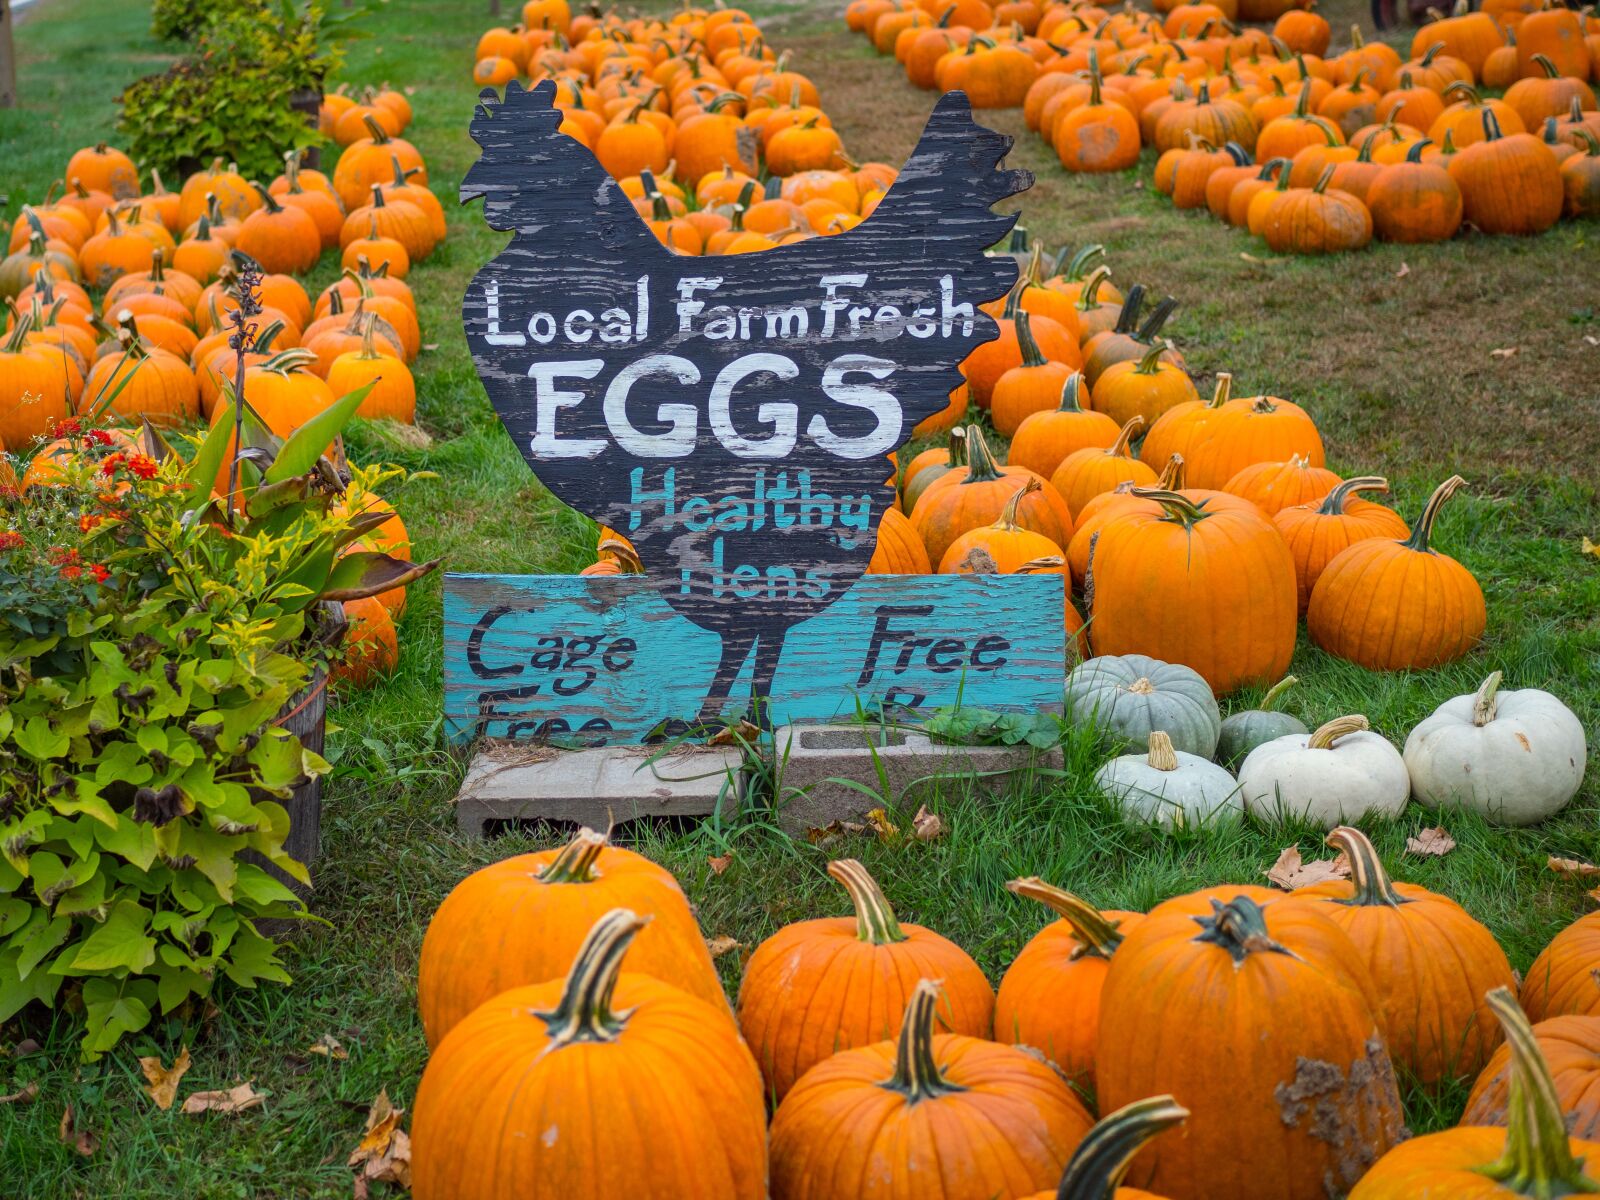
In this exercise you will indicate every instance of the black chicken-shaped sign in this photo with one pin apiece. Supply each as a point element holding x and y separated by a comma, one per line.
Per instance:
<point>730,416</point>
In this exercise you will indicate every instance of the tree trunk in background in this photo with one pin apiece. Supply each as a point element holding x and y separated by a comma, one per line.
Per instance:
<point>8,59</point>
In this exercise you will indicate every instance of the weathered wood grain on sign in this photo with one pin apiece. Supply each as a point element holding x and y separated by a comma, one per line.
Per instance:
<point>596,660</point>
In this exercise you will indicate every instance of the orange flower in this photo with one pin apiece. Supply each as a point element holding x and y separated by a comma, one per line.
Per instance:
<point>10,539</point>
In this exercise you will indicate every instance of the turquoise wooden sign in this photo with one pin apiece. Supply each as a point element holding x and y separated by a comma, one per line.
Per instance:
<point>602,660</point>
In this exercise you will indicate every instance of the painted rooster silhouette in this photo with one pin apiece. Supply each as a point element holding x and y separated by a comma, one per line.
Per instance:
<point>729,415</point>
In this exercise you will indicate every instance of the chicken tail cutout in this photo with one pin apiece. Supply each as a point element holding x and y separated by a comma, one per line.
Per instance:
<point>730,416</point>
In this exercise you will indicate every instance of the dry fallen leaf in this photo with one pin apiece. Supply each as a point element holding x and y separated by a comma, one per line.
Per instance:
<point>27,1095</point>
<point>721,945</point>
<point>720,862</point>
<point>1573,868</point>
<point>818,835</point>
<point>735,735</point>
<point>430,345</point>
<point>1291,871</point>
<point>234,1100</point>
<point>1259,262</point>
<point>878,820</point>
<point>1504,352</point>
<point>926,825</point>
<point>384,1154</point>
<point>1592,893</point>
<point>329,1045</point>
<point>84,1141</point>
<point>1591,548</point>
<point>1433,843</point>
<point>163,1080</point>
<point>1403,271</point>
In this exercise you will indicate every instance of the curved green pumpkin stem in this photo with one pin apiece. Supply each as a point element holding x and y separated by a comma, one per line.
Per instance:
<point>1150,364</point>
<point>584,1012</point>
<point>1241,157</point>
<point>1276,691</point>
<point>576,862</point>
<point>1485,700</point>
<point>1031,354</point>
<point>1158,317</point>
<point>1370,883</point>
<point>1176,506</point>
<point>1470,96</point>
<point>1491,126</point>
<point>916,1072</point>
<point>1547,66</point>
<point>1321,185</point>
<point>1128,318</point>
<point>1240,928</point>
<point>1077,267</point>
<point>1013,304</point>
<point>1119,448</point>
<point>1071,394</point>
<point>875,920</point>
<point>981,464</point>
<point>19,334</point>
<point>1334,502</point>
<point>1422,531</point>
<point>1100,1163</point>
<point>1538,1159</point>
<point>1433,52</point>
<point>1089,297</point>
<point>1007,520</point>
<point>1302,107</point>
<point>1096,936</point>
<point>1414,155</point>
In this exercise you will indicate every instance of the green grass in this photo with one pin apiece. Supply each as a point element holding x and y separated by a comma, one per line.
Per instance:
<point>1396,369</point>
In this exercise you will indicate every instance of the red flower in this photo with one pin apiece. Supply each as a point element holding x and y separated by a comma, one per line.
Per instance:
<point>62,555</point>
<point>143,466</point>
<point>98,573</point>
<point>97,437</point>
<point>8,492</point>
<point>88,521</point>
<point>10,539</point>
<point>71,572</point>
<point>66,428</point>
<point>112,462</point>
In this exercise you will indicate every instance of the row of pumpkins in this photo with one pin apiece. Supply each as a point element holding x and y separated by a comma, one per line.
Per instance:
<point>1515,757</point>
<point>1339,148</point>
<point>720,147</point>
<point>582,1047</point>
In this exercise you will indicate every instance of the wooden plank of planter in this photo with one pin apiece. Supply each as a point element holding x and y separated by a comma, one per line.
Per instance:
<point>605,660</point>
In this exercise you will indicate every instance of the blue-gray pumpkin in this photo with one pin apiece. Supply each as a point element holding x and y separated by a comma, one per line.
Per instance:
<point>1130,696</point>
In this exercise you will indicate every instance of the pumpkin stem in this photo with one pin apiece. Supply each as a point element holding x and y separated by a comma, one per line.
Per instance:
<point>1370,884</point>
<point>1550,69</point>
<point>1423,530</point>
<point>1150,364</point>
<point>1334,502</point>
<point>1171,477</point>
<point>584,1012</point>
<point>875,920</point>
<point>1049,564</point>
<point>1162,756</point>
<point>19,334</point>
<point>1158,318</point>
<point>1031,355</point>
<point>576,862</point>
<point>1486,700</point>
<point>1008,515</point>
<point>1079,262</point>
<point>1100,1163</point>
<point>1327,734</point>
<point>1094,934</point>
<point>1177,506</point>
<point>1224,390</point>
<point>981,466</point>
<point>1119,448</point>
<point>1240,928</point>
<point>1538,1159</point>
<point>1071,391</point>
<point>916,1071</point>
<point>1089,297</point>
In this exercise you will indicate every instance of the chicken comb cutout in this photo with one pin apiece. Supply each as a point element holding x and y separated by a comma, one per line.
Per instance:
<point>729,415</point>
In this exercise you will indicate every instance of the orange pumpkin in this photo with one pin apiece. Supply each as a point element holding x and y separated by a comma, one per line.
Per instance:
<point>1085,473</point>
<point>1571,1048</point>
<point>1561,981</point>
<point>899,550</point>
<point>394,392</point>
<point>1509,182</point>
<point>970,497</point>
<point>1044,439</point>
<point>1317,532</point>
<point>1250,430</point>
<point>1273,486</point>
<point>1145,387</point>
<point>1033,385</point>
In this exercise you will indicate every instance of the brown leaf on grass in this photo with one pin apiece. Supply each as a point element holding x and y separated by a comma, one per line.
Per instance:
<point>163,1080</point>
<point>1589,547</point>
<point>234,1100</point>
<point>1291,871</point>
<point>1431,843</point>
<point>720,862</point>
<point>84,1141</point>
<point>329,1046</point>
<point>926,825</point>
<point>1403,271</point>
<point>735,735</point>
<point>819,834</point>
<point>1504,352</point>
<point>878,821</point>
<point>1594,894</point>
<point>410,437</point>
<point>1572,868</point>
<point>721,945</point>
<point>1259,262</point>
<point>384,1153</point>
<point>27,1095</point>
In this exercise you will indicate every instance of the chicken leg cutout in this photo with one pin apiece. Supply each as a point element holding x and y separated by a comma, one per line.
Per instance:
<point>730,416</point>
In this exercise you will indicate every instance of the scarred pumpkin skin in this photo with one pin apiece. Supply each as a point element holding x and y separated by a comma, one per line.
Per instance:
<point>504,1105</point>
<point>521,920</point>
<point>1561,981</point>
<point>1050,996</point>
<point>1571,1048</point>
<point>926,1117</point>
<point>829,984</point>
<point>1258,1018</point>
<point>1431,963</point>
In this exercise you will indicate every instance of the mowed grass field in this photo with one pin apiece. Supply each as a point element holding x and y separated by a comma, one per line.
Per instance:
<point>1389,349</point>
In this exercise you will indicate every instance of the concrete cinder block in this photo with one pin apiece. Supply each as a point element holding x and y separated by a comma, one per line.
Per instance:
<point>902,767</point>
<point>596,787</point>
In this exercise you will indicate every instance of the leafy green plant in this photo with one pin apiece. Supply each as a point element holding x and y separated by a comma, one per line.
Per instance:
<point>980,727</point>
<point>179,18</point>
<point>152,632</point>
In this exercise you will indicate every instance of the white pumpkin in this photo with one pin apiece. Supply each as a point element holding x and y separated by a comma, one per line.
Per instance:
<point>1170,788</point>
<point>1335,775</point>
<point>1516,757</point>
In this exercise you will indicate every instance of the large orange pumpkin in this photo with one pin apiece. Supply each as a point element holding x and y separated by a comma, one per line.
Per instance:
<point>1181,427</point>
<point>1049,997</point>
<point>973,496</point>
<point>1043,440</point>
<point>504,1104</point>
<point>1086,473</point>
<point>947,1117</point>
<point>1250,430</point>
<point>1258,1018</point>
<point>833,983</point>
<point>1274,486</point>
<point>899,550</point>
<point>1571,1048</point>
<point>1391,605</point>
<point>1431,963</point>
<point>1562,980</point>
<point>521,920</point>
<point>1532,1156</point>
<point>1206,586</point>
<point>1032,386</point>
<point>1317,532</point>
